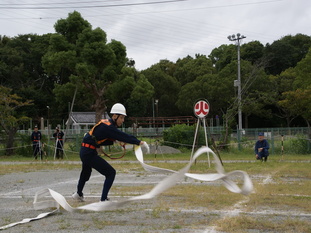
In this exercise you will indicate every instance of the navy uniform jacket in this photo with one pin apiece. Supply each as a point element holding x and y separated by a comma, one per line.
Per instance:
<point>106,132</point>
<point>262,144</point>
<point>35,137</point>
<point>58,135</point>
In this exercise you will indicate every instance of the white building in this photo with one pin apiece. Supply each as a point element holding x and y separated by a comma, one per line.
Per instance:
<point>81,121</point>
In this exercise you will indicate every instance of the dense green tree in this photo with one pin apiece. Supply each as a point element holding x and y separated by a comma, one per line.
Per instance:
<point>252,51</point>
<point>81,55</point>
<point>191,92</point>
<point>120,90</point>
<point>286,52</point>
<point>21,70</point>
<point>223,55</point>
<point>296,97</point>
<point>133,90</point>
<point>140,98</point>
<point>280,84</point>
<point>78,57</point>
<point>257,93</point>
<point>11,116</point>
<point>303,72</point>
<point>188,68</point>
<point>166,87</point>
<point>299,102</point>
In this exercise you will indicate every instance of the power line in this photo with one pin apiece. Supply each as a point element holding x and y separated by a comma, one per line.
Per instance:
<point>53,3</point>
<point>44,7</point>
<point>93,6</point>
<point>168,32</point>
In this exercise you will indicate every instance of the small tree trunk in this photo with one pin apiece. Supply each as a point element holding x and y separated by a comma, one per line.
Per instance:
<point>226,136</point>
<point>10,141</point>
<point>246,121</point>
<point>99,107</point>
<point>309,129</point>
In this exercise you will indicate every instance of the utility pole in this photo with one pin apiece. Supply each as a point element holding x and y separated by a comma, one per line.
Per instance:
<point>238,37</point>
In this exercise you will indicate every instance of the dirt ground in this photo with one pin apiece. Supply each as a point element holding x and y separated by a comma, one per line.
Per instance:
<point>18,189</point>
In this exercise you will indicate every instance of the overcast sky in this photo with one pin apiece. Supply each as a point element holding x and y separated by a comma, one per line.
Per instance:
<point>153,30</point>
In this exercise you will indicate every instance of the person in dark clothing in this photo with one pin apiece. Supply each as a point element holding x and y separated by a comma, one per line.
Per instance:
<point>262,148</point>
<point>36,140</point>
<point>58,135</point>
<point>103,133</point>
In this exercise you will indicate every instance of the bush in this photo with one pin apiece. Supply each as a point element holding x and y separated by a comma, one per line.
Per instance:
<point>182,136</point>
<point>298,145</point>
<point>24,145</point>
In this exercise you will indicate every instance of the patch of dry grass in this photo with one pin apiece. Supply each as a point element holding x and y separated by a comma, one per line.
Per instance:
<point>282,196</point>
<point>244,223</point>
<point>30,167</point>
<point>281,188</point>
<point>41,166</point>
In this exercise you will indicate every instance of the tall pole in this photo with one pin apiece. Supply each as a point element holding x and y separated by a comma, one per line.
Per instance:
<point>238,37</point>
<point>157,114</point>
<point>153,112</point>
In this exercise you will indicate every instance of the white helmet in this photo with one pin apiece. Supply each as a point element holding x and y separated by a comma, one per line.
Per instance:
<point>118,109</point>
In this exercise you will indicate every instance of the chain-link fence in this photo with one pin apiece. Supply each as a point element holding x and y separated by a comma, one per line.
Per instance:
<point>281,140</point>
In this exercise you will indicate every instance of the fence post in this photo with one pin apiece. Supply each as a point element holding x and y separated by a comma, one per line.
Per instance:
<point>239,139</point>
<point>77,142</point>
<point>272,140</point>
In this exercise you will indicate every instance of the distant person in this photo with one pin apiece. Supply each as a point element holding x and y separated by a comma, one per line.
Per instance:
<point>262,148</point>
<point>58,135</point>
<point>36,140</point>
<point>105,132</point>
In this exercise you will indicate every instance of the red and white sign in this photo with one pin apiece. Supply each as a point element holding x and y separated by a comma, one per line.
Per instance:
<point>201,108</point>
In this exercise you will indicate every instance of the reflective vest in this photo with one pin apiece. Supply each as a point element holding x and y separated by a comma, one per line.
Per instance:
<point>104,121</point>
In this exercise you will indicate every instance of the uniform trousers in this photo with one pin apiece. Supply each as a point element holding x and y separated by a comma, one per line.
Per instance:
<point>90,159</point>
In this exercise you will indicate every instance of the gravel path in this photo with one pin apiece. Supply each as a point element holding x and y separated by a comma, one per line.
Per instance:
<point>18,189</point>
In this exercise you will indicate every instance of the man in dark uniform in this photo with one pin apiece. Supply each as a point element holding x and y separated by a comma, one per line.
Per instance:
<point>36,138</point>
<point>104,132</point>
<point>262,148</point>
<point>58,135</point>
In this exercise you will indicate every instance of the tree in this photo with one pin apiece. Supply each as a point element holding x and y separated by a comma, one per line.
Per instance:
<point>257,93</point>
<point>82,56</point>
<point>21,70</point>
<point>303,72</point>
<point>134,90</point>
<point>299,101</point>
<point>140,97</point>
<point>120,90</point>
<point>190,93</point>
<point>188,68</point>
<point>296,99</point>
<point>286,52</point>
<point>223,55</point>
<point>10,115</point>
<point>166,87</point>
<point>280,84</point>
<point>252,51</point>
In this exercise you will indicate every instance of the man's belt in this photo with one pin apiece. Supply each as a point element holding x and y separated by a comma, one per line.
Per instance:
<point>88,146</point>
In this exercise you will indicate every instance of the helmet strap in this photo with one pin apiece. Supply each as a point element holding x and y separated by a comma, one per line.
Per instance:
<point>115,121</point>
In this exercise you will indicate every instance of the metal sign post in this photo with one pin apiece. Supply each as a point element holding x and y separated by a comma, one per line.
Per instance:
<point>201,110</point>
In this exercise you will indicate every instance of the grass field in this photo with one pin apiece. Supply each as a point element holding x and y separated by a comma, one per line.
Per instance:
<point>281,201</point>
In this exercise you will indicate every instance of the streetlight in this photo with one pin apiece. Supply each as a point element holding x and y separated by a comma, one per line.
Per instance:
<point>156,104</point>
<point>237,83</point>
<point>48,107</point>
<point>157,115</point>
